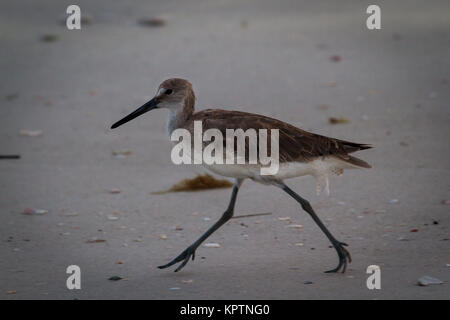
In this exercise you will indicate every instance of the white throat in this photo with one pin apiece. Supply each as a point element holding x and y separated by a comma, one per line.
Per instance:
<point>175,118</point>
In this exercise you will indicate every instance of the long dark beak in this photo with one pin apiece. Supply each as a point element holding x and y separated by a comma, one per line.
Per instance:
<point>152,104</point>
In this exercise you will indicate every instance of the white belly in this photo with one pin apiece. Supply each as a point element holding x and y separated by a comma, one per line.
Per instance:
<point>319,168</point>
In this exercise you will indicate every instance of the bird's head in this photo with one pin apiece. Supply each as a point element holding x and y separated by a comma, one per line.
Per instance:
<point>173,94</point>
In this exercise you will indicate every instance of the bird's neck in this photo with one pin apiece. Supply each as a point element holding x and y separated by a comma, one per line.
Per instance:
<point>179,115</point>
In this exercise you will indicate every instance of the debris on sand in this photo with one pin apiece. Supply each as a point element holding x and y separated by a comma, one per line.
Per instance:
<point>187,281</point>
<point>71,214</point>
<point>211,245</point>
<point>445,201</point>
<point>332,84</point>
<point>294,226</point>
<point>114,191</point>
<point>427,280</point>
<point>176,228</point>
<point>152,22</point>
<point>49,38</point>
<point>200,182</point>
<point>31,211</point>
<point>336,58</point>
<point>393,201</point>
<point>340,120</point>
<point>120,154</point>
<point>115,278</point>
<point>11,292</point>
<point>163,237</point>
<point>11,97</point>
<point>95,240</point>
<point>9,156</point>
<point>30,133</point>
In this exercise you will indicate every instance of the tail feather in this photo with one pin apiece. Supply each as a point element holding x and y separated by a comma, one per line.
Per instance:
<point>354,161</point>
<point>350,147</point>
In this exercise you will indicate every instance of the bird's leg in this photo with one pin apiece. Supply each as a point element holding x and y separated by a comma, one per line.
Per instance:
<point>190,251</point>
<point>339,246</point>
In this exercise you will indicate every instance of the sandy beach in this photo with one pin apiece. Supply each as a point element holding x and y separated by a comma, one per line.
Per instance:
<point>302,62</point>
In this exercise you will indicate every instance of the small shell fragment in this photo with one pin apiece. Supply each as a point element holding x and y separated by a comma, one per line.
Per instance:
<point>30,133</point>
<point>212,245</point>
<point>427,280</point>
<point>31,211</point>
<point>187,281</point>
<point>163,237</point>
<point>295,226</point>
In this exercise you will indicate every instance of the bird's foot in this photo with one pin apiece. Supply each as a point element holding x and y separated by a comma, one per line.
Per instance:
<point>343,254</point>
<point>184,256</point>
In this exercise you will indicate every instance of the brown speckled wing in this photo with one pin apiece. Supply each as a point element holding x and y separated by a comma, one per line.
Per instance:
<point>294,144</point>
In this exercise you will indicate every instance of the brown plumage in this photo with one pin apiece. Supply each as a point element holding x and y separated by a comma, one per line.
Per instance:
<point>294,144</point>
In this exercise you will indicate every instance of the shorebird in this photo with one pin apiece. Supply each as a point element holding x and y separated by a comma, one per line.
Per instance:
<point>300,153</point>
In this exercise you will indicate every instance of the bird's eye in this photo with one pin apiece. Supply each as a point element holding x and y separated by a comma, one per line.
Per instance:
<point>168,91</point>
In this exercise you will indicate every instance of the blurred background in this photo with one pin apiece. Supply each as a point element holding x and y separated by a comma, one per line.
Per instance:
<point>81,194</point>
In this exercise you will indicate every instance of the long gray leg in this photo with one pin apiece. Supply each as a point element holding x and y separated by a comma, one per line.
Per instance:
<point>339,246</point>
<point>190,251</point>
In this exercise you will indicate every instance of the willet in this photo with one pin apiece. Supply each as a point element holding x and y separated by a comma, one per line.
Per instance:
<point>300,153</point>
